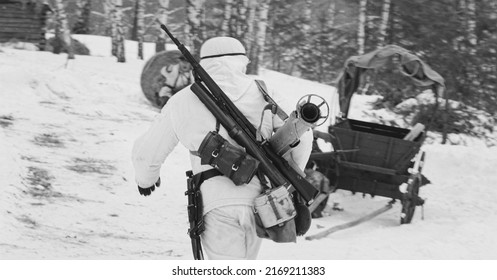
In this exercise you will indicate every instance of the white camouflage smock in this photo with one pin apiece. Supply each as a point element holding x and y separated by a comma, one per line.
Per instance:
<point>186,120</point>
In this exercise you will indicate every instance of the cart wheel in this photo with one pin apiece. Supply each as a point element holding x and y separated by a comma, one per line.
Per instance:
<point>411,199</point>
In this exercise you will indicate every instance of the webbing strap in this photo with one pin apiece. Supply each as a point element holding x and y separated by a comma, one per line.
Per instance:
<point>199,178</point>
<point>218,125</point>
<point>272,106</point>
<point>275,108</point>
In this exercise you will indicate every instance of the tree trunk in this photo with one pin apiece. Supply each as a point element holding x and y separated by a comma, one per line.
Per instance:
<point>195,22</point>
<point>160,43</point>
<point>385,14</point>
<point>134,29</point>
<point>445,117</point>
<point>228,6</point>
<point>249,38</point>
<point>240,23</point>
<point>120,33</point>
<point>45,13</point>
<point>471,25</point>
<point>140,25</point>
<point>331,14</point>
<point>250,45</point>
<point>112,10</point>
<point>306,26</point>
<point>361,34</point>
<point>492,9</point>
<point>62,33</point>
<point>307,45</point>
<point>107,18</point>
<point>395,34</point>
<point>83,12</point>
<point>260,37</point>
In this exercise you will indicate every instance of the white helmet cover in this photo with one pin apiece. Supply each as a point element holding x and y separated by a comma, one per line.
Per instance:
<point>221,46</point>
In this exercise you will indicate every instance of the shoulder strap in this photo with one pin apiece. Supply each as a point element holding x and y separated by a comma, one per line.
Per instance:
<point>272,106</point>
<point>275,109</point>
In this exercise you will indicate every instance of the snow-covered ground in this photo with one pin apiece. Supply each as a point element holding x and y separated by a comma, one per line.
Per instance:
<point>68,191</point>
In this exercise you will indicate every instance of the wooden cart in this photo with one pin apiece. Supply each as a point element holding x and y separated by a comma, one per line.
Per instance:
<point>372,158</point>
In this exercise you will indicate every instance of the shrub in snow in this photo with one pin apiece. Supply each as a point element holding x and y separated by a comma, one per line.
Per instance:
<point>464,122</point>
<point>78,47</point>
<point>19,45</point>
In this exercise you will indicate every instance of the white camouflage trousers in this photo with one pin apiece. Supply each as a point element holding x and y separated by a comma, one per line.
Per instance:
<point>230,234</point>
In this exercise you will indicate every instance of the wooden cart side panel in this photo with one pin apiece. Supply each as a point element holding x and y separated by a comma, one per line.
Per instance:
<point>376,150</point>
<point>375,144</point>
<point>361,185</point>
<point>367,182</point>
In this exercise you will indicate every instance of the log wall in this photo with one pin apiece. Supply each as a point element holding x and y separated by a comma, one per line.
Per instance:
<point>23,21</point>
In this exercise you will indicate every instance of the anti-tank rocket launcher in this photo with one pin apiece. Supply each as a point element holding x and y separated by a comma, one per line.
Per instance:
<point>273,165</point>
<point>307,115</point>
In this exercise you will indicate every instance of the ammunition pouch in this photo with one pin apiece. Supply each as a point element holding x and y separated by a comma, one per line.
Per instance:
<point>230,160</point>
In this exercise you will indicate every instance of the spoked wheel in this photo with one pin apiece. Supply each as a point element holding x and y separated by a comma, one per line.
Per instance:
<point>411,197</point>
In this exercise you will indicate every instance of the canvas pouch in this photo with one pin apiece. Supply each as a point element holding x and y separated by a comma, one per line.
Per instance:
<point>230,160</point>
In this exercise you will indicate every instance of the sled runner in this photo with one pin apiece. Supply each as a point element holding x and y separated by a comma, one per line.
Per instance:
<point>372,158</point>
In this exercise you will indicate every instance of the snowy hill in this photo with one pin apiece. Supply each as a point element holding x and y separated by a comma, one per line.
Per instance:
<point>66,131</point>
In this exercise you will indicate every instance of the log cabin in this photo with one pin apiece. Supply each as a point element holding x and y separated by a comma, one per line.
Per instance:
<point>24,21</point>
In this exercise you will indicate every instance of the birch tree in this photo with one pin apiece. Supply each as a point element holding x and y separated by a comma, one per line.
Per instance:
<point>249,35</point>
<point>62,33</point>
<point>111,12</point>
<point>471,25</point>
<point>361,34</point>
<point>396,32</point>
<point>117,29</point>
<point>327,42</point>
<point>228,6</point>
<point>139,25</point>
<point>163,15</point>
<point>120,32</point>
<point>331,13</point>
<point>306,26</point>
<point>195,21</point>
<point>82,25</point>
<point>260,37</point>
<point>385,15</point>
<point>239,20</point>
<point>306,51</point>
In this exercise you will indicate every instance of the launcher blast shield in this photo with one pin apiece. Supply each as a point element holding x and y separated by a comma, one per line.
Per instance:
<point>307,115</point>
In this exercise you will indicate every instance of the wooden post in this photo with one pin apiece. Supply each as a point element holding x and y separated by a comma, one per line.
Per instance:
<point>333,229</point>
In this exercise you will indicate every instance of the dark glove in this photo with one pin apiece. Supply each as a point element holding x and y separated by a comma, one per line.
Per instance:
<point>149,190</point>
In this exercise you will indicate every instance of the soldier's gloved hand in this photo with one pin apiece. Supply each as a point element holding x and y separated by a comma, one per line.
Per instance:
<point>149,190</point>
